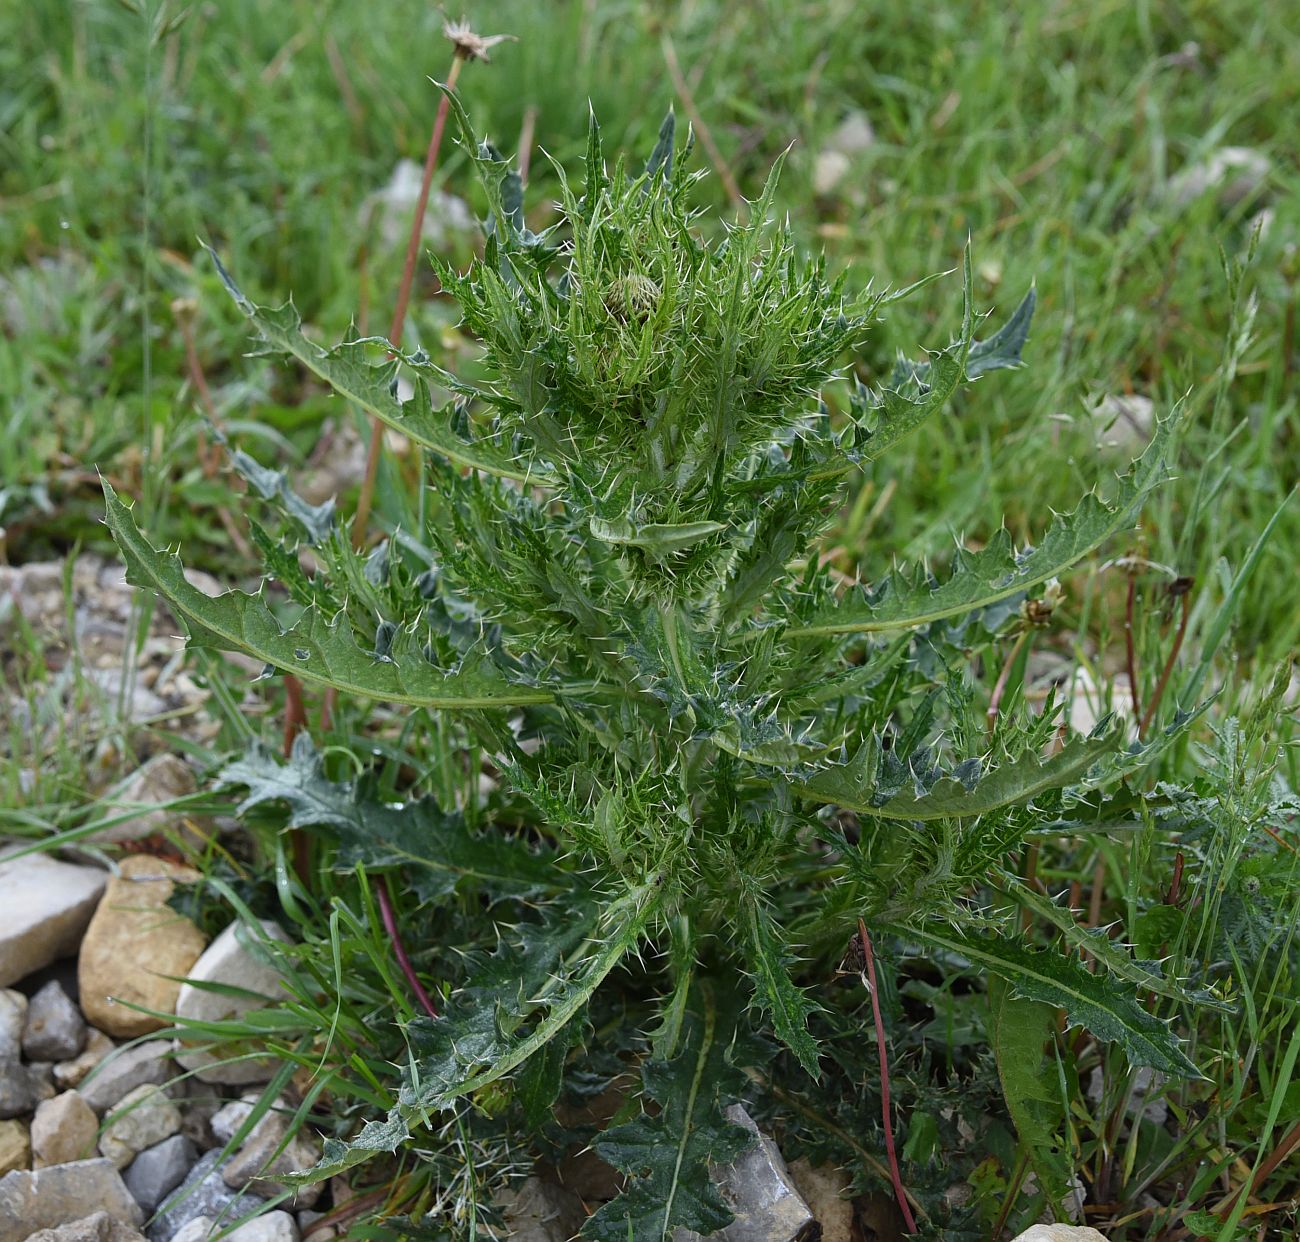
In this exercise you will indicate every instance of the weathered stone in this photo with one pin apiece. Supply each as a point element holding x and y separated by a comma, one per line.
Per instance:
<point>271,1227</point>
<point>1125,423</point>
<point>828,1193</point>
<point>47,1198</point>
<point>255,1166</point>
<point>100,1227</point>
<point>22,1087</point>
<point>55,1029</point>
<point>1234,173</point>
<point>13,1017</point>
<point>228,961</point>
<point>46,905</point>
<point>133,944</point>
<point>198,1230</point>
<point>15,1146</point>
<point>68,1074</point>
<point>146,793</point>
<point>201,1194</point>
<point>158,1170</point>
<point>539,1211</point>
<point>141,1118</point>
<point>124,1071</point>
<point>758,1189</point>
<point>63,1130</point>
<point>1060,1233</point>
<point>229,1117</point>
<point>311,1231</point>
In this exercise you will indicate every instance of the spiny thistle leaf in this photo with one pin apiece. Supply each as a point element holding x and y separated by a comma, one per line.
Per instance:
<point>314,648</point>
<point>349,371</point>
<point>522,998</point>
<point>904,601</point>
<point>1095,941</point>
<point>1095,1002</point>
<point>666,1156</point>
<point>435,848</point>
<point>774,989</point>
<point>854,784</point>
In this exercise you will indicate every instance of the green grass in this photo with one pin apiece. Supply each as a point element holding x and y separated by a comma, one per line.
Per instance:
<point>1048,135</point>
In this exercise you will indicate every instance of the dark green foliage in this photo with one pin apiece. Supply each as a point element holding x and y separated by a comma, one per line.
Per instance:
<point>620,532</point>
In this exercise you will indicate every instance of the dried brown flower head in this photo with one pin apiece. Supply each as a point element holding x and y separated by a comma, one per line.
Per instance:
<point>471,46</point>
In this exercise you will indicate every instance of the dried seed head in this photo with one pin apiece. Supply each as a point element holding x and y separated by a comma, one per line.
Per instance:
<point>471,46</point>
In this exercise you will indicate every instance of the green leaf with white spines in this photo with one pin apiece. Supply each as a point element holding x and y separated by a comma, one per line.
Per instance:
<point>349,371</point>
<point>315,648</point>
<point>852,785</point>
<point>667,1154</point>
<point>775,991</point>
<point>1093,1001</point>
<point>978,579</point>
<point>435,849</point>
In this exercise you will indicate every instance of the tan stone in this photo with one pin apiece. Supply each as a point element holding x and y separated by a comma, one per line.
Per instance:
<point>68,1074</point>
<point>63,1130</point>
<point>15,1146</point>
<point>828,1193</point>
<point>141,1119</point>
<point>132,944</point>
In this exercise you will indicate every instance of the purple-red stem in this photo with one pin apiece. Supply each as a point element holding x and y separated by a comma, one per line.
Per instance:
<point>1168,668</point>
<point>362,518</point>
<point>886,1112</point>
<point>399,949</point>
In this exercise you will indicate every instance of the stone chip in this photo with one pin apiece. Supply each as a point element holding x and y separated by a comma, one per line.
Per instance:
<point>55,1029</point>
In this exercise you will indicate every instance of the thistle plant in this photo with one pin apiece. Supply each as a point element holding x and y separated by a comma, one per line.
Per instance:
<point>614,583</point>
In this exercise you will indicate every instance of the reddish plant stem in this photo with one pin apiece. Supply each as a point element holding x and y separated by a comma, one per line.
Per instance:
<point>995,700</point>
<point>1168,669</point>
<point>1130,649</point>
<point>886,1112</point>
<point>362,518</point>
<point>399,949</point>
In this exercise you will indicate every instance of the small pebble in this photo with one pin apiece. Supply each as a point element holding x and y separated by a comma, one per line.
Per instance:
<point>158,1170</point>
<point>63,1130</point>
<point>55,1029</point>
<point>68,1074</point>
<point>142,1118</point>
<point>13,1017</point>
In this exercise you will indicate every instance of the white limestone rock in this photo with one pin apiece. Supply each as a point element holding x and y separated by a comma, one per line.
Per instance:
<point>227,960</point>
<point>46,905</point>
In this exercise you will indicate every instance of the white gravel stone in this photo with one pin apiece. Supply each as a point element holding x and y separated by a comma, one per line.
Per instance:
<point>1125,423</point>
<point>758,1189</point>
<point>165,778</point>
<point>158,1170</point>
<point>1060,1233</point>
<point>273,1227</point>
<point>13,1017</point>
<point>47,1198</point>
<point>255,1166</point>
<point>99,1227</point>
<point>46,905</point>
<point>145,1064</point>
<point>227,961</point>
<point>55,1029</point>
<point>196,1230</point>
<point>1234,173</point>
<point>141,1118</point>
